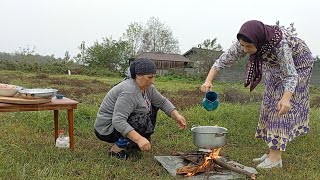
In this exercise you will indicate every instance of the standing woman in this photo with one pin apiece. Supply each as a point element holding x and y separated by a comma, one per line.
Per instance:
<point>286,62</point>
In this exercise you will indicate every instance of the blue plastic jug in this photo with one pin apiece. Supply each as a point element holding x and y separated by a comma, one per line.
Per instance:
<point>210,101</point>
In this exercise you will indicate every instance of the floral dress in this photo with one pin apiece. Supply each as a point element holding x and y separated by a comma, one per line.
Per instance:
<point>288,68</point>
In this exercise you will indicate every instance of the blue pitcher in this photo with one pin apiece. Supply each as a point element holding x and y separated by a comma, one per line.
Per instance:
<point>210,101</point>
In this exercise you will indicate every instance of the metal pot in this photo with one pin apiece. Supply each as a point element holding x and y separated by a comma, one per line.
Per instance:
<point>209,137</point>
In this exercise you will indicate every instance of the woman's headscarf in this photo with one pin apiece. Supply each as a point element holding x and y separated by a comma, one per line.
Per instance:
<point>141,66</point>
<point>265,38</point>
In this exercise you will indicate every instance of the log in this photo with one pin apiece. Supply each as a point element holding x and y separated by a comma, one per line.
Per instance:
<point>193,157</point>
<point>190,169</point>
<point>233,168</point>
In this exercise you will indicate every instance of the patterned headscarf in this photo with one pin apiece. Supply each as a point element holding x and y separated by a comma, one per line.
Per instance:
<point>142,66</point>
<point>265,38</point>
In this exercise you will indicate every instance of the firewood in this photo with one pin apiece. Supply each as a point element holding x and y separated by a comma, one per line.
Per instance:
<point>234,168</point>
<point>190,169</point>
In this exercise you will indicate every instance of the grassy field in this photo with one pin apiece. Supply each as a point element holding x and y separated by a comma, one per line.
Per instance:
<point>27,148</point>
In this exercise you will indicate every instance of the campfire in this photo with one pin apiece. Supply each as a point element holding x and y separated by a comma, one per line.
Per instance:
<point>208,161</point>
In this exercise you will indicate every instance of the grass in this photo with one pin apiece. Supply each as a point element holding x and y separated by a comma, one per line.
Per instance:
<point>27,145</point>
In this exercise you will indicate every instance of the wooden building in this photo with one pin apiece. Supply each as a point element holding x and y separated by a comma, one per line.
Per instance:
<point>165,62</point>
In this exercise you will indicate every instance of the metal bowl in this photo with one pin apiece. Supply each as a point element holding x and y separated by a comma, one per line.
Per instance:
<point>9,92</point>
<point>37,93</point>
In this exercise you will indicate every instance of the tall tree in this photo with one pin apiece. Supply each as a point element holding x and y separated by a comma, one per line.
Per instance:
<point>157,37</point>
<point>66,57</point>
<point>134,35</point>
<point>291,28</point>
<point>210,45</point>
<point>82,56</point>
<point>111,54</point>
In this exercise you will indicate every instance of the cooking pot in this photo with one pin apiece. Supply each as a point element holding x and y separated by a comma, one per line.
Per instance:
<point>209,137</point>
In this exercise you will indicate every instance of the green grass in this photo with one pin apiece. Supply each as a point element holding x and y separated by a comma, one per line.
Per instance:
<point>27,144</point>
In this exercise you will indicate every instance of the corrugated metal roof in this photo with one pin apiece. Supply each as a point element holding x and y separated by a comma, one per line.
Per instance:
<point>163,57</point>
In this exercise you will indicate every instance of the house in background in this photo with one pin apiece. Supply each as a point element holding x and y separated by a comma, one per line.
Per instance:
<point>201,60</point>
<point>198,56</point>
<point>165,61</point>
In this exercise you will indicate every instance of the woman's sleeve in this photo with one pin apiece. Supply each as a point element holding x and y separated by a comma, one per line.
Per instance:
<point>124,106</point>
<point>228,58</point>
<point>287,67</point>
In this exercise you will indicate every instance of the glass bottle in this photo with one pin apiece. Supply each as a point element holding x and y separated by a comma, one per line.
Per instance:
<point>62,141</point>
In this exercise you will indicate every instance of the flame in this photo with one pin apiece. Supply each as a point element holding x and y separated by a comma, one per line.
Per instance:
<point>207,161</point>
<point>215,153</point>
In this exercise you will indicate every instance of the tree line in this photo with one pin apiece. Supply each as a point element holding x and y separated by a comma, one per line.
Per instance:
<point>110,56</point>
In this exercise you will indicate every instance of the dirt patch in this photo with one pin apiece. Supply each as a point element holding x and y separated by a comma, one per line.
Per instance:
<point>80,88</point>
<point>72,88</point>
<point>184,99</point>
<point>236,96</point>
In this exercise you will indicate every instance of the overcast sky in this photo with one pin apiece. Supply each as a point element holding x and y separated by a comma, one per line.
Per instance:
<point>57,26</point>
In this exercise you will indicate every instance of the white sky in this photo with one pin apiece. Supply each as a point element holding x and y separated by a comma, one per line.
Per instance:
<point>57,26</point>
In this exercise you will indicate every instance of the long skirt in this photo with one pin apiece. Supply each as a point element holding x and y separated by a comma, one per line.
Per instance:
<point>277,131</point>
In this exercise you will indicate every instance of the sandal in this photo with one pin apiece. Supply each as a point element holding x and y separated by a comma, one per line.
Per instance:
<point>260,159</point>
<point>268,164</point>
<point>120,155</point>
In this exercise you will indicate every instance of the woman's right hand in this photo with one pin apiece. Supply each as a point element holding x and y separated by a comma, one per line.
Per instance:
<point>144,144</point>
<point>206,86</point>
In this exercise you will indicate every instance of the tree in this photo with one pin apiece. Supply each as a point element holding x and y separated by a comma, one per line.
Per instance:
<point>134,35</point>
<point>210,45</point>
<point>157,37</point>
<point>82,56</point>
<point>317,61</point>
<point>27,51</point>
<point>66,57</point>
<point>291,28</point>
<point>203,56</point>
<point>110,54</point>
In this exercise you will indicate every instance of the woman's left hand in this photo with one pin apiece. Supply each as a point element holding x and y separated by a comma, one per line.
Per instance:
<point>179,119</point>
<point>284,106</point>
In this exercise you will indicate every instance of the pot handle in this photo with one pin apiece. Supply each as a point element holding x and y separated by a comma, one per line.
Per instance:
<point>221,134</point>
<point>193,126</point>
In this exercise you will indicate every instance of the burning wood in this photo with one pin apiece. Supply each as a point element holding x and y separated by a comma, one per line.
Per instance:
<point>210,162</point>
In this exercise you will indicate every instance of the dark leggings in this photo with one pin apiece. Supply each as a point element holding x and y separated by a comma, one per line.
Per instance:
<point>144,124</point>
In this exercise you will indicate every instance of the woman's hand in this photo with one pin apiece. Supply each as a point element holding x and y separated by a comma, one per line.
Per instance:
<point>141,141</point>
<point>284,104</point>
<point>181,122</point>
<point>205,87</point>
<point>179,119</point>
<point>144,144</point>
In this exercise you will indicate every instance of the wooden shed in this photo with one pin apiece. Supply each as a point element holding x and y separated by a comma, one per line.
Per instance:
<point>165,62</point>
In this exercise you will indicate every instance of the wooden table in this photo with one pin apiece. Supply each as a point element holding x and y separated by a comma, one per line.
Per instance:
<point>55,105</point>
